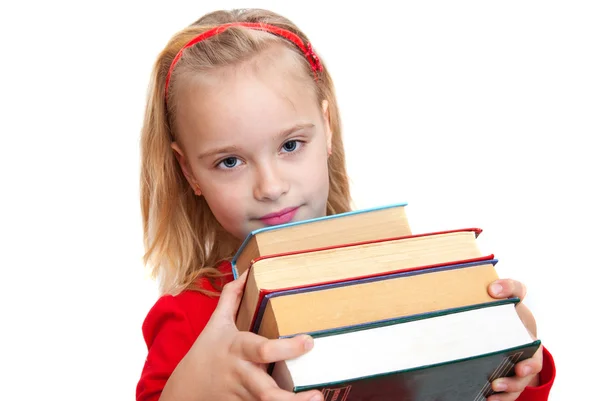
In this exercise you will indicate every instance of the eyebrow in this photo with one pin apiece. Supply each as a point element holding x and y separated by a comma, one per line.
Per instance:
<point>234,149</point>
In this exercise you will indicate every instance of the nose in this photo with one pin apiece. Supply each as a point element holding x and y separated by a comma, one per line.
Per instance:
<point>270,184</point>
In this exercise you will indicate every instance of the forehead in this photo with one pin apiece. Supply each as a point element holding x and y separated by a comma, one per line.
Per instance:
<point>262,96</point>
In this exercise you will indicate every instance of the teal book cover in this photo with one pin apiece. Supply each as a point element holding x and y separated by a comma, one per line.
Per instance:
<point>463,380</point>
<point>460,378</point>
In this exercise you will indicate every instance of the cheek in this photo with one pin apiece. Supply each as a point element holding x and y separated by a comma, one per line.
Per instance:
<point>223,198</point>
<point>315,173</point>
<point>229,212</point>
<point>324,183</point>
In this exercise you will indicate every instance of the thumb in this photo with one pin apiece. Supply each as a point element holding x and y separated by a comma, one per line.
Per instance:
<point>230,298</point>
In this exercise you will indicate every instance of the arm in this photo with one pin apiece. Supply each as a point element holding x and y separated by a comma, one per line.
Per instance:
<point>169,336</point>
<point>221,362</point>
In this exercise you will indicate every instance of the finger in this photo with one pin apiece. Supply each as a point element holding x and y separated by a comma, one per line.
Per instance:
<point>506,288</point>
<point>231,296</point>
<point>274,393</point>
<point>504,397</point>
<point>255,348</point>
<point>262,387</point>
<point>525,372</point>
<point>530,367</point>
<point>313,395</point>
<point>512,384</point>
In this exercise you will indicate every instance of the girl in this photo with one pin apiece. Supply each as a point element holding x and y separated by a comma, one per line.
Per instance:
<point>241,131</point>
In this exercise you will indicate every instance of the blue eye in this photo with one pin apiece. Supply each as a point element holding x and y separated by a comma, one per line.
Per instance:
<point>290,146</point>
<point>229,162</point>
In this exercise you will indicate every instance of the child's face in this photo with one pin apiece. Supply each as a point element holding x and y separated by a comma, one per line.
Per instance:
<point>254,142</point>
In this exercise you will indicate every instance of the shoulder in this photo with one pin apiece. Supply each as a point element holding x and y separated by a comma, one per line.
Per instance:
<point>169,330</point>
<point>190,310</point>
<point>184,312</point>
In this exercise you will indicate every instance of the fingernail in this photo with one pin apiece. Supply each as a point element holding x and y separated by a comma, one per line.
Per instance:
<point>496,289</point>
<point>499,386</point>
<point>316,398</point>
<point>527,370</point>
<point>308,343</point>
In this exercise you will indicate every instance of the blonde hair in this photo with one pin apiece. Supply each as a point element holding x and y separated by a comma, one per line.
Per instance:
<point>182,238</point>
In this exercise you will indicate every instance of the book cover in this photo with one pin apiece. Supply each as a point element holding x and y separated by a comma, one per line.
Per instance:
<point>476,231</point>
<point>460,380</point>
<point>466,378</point>
<point>266,295</point>
<point>308,221</point>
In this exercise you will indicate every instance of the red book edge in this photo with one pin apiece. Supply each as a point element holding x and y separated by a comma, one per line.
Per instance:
<point>477,231</point>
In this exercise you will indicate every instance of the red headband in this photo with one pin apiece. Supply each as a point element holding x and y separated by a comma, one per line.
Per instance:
<point>306,49</point>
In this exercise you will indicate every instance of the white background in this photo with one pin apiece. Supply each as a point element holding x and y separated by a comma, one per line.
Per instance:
<point>477,113</point>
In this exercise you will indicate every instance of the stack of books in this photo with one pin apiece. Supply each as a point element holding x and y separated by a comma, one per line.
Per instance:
<point>394,315</point>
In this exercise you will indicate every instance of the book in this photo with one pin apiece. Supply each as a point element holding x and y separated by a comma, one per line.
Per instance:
<point>356,302</point>
<point>350,262</point>
<point>355,226</point>
<point>450,355</point>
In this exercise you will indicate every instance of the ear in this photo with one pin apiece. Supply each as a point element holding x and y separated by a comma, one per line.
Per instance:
<point>185,167</point>
<point>328,133</point>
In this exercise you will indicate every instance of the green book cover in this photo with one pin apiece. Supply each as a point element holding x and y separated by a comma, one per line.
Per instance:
<point>459,378</point>
<point>464,380</point>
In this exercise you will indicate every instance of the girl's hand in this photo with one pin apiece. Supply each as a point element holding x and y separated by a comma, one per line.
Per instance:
<point>227,364</point>
<point>526,372</point>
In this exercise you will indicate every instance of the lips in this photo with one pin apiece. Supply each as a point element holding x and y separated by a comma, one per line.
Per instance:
<point>281,217</point>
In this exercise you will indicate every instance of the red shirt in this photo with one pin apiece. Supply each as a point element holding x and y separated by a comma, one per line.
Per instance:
<point>174,323</point>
